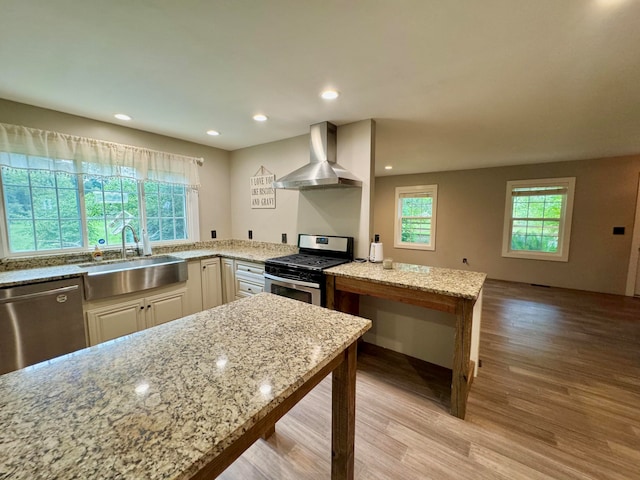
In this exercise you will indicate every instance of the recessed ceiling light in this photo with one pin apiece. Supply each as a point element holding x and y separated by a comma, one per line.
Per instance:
<point>213,133</point>
<point>388,167</point>
<point>330,94</point>
<point>122,116</point>
<point>260,117</point>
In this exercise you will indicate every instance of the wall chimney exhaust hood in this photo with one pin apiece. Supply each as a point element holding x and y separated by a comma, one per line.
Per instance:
<point>322,171</point>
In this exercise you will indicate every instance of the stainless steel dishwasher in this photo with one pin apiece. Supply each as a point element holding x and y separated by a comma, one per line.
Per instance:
<point>39,322</point>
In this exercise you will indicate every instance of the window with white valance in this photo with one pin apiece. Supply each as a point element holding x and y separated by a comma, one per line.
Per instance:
<point>23,147</point>
<point>63,192</point>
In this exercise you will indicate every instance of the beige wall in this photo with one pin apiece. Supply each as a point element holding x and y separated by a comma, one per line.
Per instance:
<point>279,158</point>
<point>471,214</point>
<point>214,174</point>
<point>335,211</point>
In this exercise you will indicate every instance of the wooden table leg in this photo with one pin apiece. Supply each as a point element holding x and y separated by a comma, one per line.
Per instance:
<point>460,379</point>
<point>269,432</point>
<point>343,423</point>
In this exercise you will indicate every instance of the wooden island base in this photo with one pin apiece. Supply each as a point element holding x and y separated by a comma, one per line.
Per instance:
<point>343,294</point>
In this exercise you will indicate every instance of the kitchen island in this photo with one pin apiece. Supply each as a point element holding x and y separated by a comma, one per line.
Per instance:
<point>181,400</point>
<point>457,292</point>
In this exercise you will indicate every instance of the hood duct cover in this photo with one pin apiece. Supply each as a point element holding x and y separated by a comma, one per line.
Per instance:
<point>322,171</point>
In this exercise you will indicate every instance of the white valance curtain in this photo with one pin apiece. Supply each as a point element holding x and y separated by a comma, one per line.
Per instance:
<point>23,147</point>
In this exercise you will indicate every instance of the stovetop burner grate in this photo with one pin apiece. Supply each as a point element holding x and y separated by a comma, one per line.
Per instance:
<point>301,260</point>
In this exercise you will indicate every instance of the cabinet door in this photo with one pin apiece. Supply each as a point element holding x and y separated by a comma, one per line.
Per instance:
<point>194,288</point>
<point>165,307</point>
<point>228,280</point>
<point>211,288</point>
<point>115,321</point>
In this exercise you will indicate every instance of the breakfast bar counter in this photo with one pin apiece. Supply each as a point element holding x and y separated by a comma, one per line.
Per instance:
<point>458,292</point>
<point>180,400</point>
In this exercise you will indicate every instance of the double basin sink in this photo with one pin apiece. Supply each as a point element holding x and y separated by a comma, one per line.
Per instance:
<point>127,276</point>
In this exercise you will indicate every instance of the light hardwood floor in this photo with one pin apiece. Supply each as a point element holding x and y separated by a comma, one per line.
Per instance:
<point>557,397</point>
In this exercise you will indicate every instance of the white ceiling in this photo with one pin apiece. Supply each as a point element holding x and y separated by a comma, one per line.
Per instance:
<point>451,83</point>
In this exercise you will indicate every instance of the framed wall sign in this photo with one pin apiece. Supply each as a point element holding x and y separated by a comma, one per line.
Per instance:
<point>263,195</point>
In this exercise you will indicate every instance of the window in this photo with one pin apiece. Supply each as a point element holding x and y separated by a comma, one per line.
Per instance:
<point>538,219</point>
<point>415,222</point>
<point>166,210</point>
<point>42,210</point>
<point>109,204</point>
<point>62,192</point>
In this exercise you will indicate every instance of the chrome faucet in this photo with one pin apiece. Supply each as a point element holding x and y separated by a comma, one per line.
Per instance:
<point>135,239</point>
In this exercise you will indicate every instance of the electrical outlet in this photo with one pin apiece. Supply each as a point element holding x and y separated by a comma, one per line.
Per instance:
<point>284,238</point>
<point>250,234</point>
<point>618,230</point>
<point>213,234</point>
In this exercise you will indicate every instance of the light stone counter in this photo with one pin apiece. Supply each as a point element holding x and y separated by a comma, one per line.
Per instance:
<point>46,268</point>
<point>443,281</point>
<point>161,403</point>
<point>252,254</point>
<point>35,275</point>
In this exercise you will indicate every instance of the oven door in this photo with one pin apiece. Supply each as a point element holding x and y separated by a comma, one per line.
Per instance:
<point>298,290</point>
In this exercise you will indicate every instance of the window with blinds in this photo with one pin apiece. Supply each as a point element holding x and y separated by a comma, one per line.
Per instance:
<point>415,222</point>
<point>538,218</point>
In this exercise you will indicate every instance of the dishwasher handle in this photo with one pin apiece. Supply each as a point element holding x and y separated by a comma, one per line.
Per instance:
<point>46,293</point>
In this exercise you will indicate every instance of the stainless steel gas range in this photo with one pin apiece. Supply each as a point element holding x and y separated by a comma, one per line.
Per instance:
<point>300,276</point>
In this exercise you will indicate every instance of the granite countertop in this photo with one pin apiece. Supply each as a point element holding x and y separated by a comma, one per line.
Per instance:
<point>252,254</point>
<point>34,275</point>
<point>161,403</point>
<point>38,270</point>
<point>444,281</point>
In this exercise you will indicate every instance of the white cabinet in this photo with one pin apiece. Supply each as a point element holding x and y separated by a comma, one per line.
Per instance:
<point>122,315</point>
<point>211,288</point>
<point>114,321</point>
<point>249,278</point>
<point>164,307</point>
<point>228,280</point>
<point>194,288</point>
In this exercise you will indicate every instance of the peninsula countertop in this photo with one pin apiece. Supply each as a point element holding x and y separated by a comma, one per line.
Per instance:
<point>163,402</point>
<point>443,281</point>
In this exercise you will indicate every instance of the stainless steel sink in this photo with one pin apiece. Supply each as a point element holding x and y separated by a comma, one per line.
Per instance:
<point>128,276</point>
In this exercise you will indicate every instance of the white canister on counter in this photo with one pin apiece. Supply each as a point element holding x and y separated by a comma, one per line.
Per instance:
<point>146,244</point>
<point>375,252</point>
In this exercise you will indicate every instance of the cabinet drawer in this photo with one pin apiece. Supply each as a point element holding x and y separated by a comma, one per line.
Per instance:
<point>249,268</point>
<point>248,288</point>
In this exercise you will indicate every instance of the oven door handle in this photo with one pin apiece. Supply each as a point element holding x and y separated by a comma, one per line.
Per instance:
<point>288,281</point>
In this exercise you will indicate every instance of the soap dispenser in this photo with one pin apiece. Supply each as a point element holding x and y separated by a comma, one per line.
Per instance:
<point>146,244</point>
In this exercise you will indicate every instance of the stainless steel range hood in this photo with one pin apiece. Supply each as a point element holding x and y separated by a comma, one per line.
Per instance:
<point>322,171</point>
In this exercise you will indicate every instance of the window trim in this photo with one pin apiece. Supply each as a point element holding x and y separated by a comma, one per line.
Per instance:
<point>564,230</point>
<point>431,190</point>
